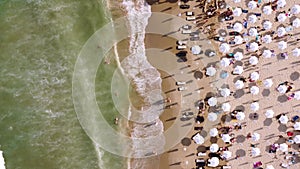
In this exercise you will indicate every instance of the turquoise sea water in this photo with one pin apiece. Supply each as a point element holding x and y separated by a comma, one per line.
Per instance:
<point>39,43</point>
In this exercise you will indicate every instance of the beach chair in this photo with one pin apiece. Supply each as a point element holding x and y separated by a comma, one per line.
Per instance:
<point>200,154</point>
<point>226,167</point>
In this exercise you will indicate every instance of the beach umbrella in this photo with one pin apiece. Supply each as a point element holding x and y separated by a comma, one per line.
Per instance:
<point>270,167</point>
<point>211,71</point>
<point>236,1</point>
<point>225,62</point>
<point>224,48</point>
<point>267,39</point>
<point>212,116</point>
<point>282,89</point>
<point>253,60</point>
<point>238,27</point>
<point>297,126</point>
<point>226,138</point>
<point>238,40</point>
<point>254,106</point>
<point>227,154</point>
<point>281,17</point>
<point>214,148</point>
<point>254,90</point>
<point>212,101</point>
<point>213,162</point>
<point>225,92</point>
<point>281,31</point>
<point>267,10</point>
<point>253,32</point>
<point>267,54</point>
<point>240,115</point>
<point>238,70</point>
<point>296,52</point>
<point>252,4</point>
<point>252,18</point>
<point>238,56</point>
<point>295,9</point>
<point>198,139</point>
<point>282,45</point>
<point>237,11</point>
<point>297,139</point>
<point>296,23</point>
<point>267,25</point>
<point>253,47</point>
<point>226,107</point>
<point>297,95</point>
<point>269,113</point>
<point>254,76</point>
<point>213,132</point>
<point>255,152</point>
<point>281,3</point>
<point>283,119</point>
<point>283,147</point>
<point>268,83</point>
<point>255,136</point>
<point>196,50</point>
<point>239,84</point>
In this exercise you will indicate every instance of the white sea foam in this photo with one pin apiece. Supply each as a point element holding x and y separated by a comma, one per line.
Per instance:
<point>2,161</point>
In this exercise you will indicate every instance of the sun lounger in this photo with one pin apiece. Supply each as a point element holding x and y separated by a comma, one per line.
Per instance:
<point>226,167</point>
<point>179,83</point>
<point>201,154</point>
<point>181,47</point>
<point>189,13</point>
<point>190,18</point>
<point>186,31</point>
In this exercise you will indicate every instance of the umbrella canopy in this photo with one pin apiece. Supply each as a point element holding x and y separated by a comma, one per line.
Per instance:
<point>269,113</point>
<point>296,52</point>
<point>225,62</point>
<point>295,9</point>
<point>196,50</point>
<point>282,45</point>
<point>283,119</point>
<point>240,115</point>
<point>212,116</point>
<point>297,139</point>
<point>198,139</point>
<point>238,56</point>
<point>238,27</point>
<point>267,25</point>
<point>213,162</point>
<point>226,138</point>
<point>236,1</point>
<point>252,4</point>
<point>253,60</point>
<point>238,70</point>
<point>281,31</point>
<point>281,3</point>
<point>267,39</point>
<point>297,95</point>
<point>254,76</point>
<point>268,83</point>
<point>227,154</point>
<point>267,10</point>
<point>255,152</point>
<point>226,107</point>
<point>211,71</point>
<point>253,46</point>
<point>282,89</point>
<point>267,54</point>
<point>281,17</point>
<point>213,132</point>
<point>238,40</point>
<point>237,11</point>
<point>239,84</point>
<point>224,48</point>
<point>214,148</point>
<point>254,106</point>
<point>255,136</point>
<point>225,92</point>
<point>283,147</point>
<point>297,126</point>
<point>253,32</point>
<point>252,18</point>
<point>270,167</point>
<point>254,90</point>
<point>212,101</point>
<point>296,23</point>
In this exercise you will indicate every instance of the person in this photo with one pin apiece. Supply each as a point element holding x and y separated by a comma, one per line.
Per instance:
<point>116,120</point>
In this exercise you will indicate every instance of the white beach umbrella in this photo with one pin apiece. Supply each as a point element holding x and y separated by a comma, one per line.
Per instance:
<point>211,71</point>
<point>252,18</point>
<point>240,115</point>
<point>224,48</point>
<point>254,90</point>
<point>295,9</point>
<point>212,116</point>
<point>267,54</point>
<point>282,89</point>
<point>225,62</point>
<point>281,3</point>
<point>236,1</point>
<point>267,25</point>
<point>255,136</point>
<point>267,39</point>
<point>253,60</point>
<point>268,83</point>
<point>281,17</point>
<point>283,119</point>
<point>227,154</point>
<point>269,113</point>
<point>297,139</point>
<point>226,107</point>
<point>255,152</point>
<point>238,56</point>
<point>297,126</point>
<point>225,92</point>
<point>213,132</point>
<point>198,139</point>
<point>196,50</point>
<point>283,147</point>
<point>213,162</point>
<point>214,148</point>
<point>254,106</point>
<point>296,23</point>
<point>297,95</point>
<point>252,5</point>
<point>238,27</point>
<point>238,70</point>
<point>253,47</point>
<point>282,45</point>
<point>267,10</point>
<point>212,101</point>
<point>281,31</point>
<point>238,40</point>
<point>239,84</point>
<point>226,138</point>
<point>270,167</point>
<point>254,76</point>
<point>253,32</point>
<point>296,52</point>
<point>237,11</point>
<point>2,161</point>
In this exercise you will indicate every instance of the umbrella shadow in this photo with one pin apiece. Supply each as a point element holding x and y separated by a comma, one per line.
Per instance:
<point>240,153</point>
<point>225,118</point>
<point>208,51</point>
<point>282,128</point>
<point>213,139</point>
<point>203,133</point>
<point>240,138</point>
<point>238,63</point>
<point>253,116</point>
<point>240,108</point>
<point>201,149</point>
<point>266,92</point>
<point>282,98</point>
<point>280,140</point>
<point>222,32</point>
<point>238,93</point>
<point>294,76</point>
<point>267,122</point>
<point>186,141</point>
<point>198,75</point>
